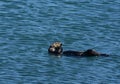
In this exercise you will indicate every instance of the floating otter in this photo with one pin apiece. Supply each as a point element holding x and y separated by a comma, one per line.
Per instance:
<point>56,49</point>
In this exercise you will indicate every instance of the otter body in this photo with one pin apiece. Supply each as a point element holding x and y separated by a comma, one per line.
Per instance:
<point>56,49</point>
<point>72,53</point>
<point>86,53</point>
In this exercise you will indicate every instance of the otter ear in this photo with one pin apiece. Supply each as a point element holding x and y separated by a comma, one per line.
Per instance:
<point>61,44</point>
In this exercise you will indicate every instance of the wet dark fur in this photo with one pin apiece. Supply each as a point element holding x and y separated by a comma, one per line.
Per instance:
<point>59,50</point>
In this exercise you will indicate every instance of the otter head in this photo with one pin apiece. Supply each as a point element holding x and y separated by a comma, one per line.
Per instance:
<point>55,48</point>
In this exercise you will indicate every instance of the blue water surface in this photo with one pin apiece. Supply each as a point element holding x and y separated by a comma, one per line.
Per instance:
<point>28,27</point>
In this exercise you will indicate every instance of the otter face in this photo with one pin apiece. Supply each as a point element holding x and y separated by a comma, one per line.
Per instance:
<point>55,48</point>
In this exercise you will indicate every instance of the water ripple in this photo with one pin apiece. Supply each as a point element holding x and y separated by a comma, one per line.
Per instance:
<point>29,27</point>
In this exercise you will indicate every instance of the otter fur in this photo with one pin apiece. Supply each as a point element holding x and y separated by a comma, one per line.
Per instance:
<point>56,49</point>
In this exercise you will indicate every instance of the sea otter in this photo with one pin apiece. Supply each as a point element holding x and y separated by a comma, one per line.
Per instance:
<point>56,49</point>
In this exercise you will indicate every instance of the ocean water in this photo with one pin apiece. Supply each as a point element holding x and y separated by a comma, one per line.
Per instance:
<point>28,27</point>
